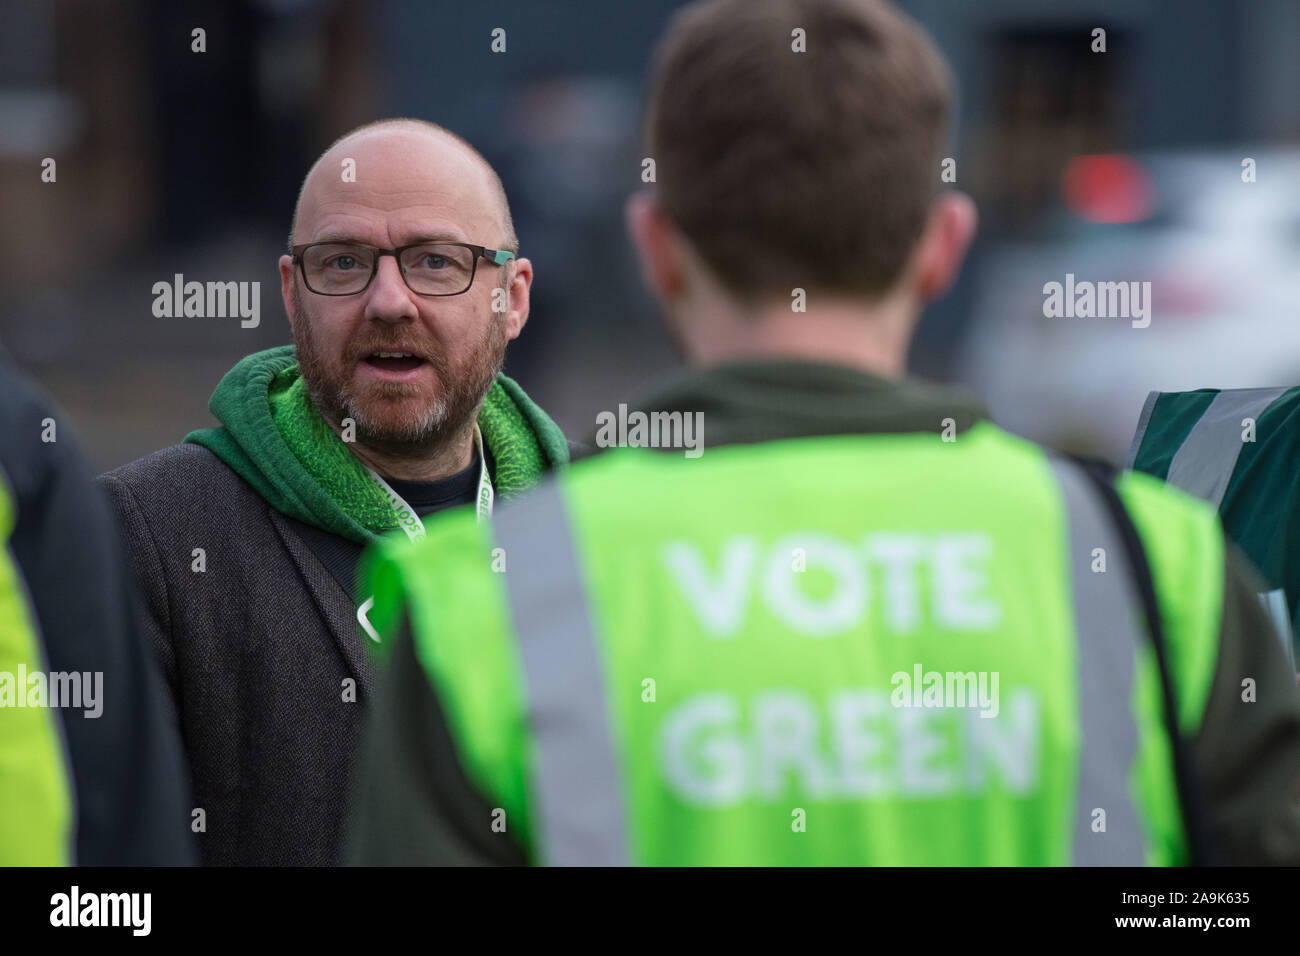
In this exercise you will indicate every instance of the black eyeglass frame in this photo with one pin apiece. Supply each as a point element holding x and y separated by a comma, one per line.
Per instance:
<point>498,257</point>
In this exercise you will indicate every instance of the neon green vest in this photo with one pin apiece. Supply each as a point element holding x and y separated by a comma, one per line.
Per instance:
<point>879,649</point>
<point>35,802</point>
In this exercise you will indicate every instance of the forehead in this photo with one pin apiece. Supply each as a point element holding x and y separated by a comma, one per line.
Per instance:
<point>390,186</point>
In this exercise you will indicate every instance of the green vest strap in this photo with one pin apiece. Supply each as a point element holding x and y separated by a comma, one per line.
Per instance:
<point>578,806</point>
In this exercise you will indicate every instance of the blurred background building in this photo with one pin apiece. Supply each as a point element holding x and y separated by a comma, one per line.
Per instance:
<point>1122,165</point>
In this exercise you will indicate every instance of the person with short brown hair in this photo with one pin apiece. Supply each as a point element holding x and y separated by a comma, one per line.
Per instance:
<point>856,623</point>
<point>813,168</point>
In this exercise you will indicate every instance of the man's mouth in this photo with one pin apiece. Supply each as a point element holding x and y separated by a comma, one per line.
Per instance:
<point>394,361</point>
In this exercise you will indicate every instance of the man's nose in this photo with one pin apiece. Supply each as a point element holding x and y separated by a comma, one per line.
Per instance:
<point>389,298</point>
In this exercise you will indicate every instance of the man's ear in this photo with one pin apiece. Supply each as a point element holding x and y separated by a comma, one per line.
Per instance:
<point>942,247</point>
<point>286,286</point>
<point>656,241</point>
<point>518,287</point>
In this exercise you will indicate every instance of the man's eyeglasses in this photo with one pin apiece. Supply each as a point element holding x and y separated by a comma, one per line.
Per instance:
<point>428,268</point>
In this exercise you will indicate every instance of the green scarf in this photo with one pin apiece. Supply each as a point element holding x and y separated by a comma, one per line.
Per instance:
<point>272,436</point>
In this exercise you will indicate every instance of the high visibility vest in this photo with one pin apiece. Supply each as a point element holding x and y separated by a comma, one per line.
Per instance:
<point>871,649</point>
<point>1238,449</point>
<point>35,798</point>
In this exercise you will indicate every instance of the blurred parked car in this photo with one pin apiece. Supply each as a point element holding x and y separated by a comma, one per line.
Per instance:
<point>1223,259</point>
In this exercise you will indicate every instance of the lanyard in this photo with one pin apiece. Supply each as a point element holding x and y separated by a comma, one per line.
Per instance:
<point>410,522</point>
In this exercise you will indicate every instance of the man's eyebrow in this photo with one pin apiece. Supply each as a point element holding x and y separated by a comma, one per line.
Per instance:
<point>434,237</point>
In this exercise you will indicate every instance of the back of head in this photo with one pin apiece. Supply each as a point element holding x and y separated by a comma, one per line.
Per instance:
<point>790,167</point>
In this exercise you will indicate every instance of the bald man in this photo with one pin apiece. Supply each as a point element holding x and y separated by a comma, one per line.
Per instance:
<point>402,285</point>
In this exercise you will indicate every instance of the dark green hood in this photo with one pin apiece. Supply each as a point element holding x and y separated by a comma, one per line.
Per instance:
<point>272,436</point>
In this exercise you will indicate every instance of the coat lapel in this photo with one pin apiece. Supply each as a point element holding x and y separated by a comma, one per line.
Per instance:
<point>333,601</point>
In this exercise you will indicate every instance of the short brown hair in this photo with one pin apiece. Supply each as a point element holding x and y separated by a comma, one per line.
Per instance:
<point>788,169</point>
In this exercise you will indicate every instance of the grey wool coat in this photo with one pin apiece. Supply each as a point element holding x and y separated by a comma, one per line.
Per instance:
<point>253,621</point>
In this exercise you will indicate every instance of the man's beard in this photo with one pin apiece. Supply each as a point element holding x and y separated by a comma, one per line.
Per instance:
<point>392,417</point>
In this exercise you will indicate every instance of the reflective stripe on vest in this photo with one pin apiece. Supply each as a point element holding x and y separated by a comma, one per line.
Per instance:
<point>578,795</point>
<point>1108,632</point>
<point>578,803</point>
<point>1204,462</point>
<point>1144,420</point>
